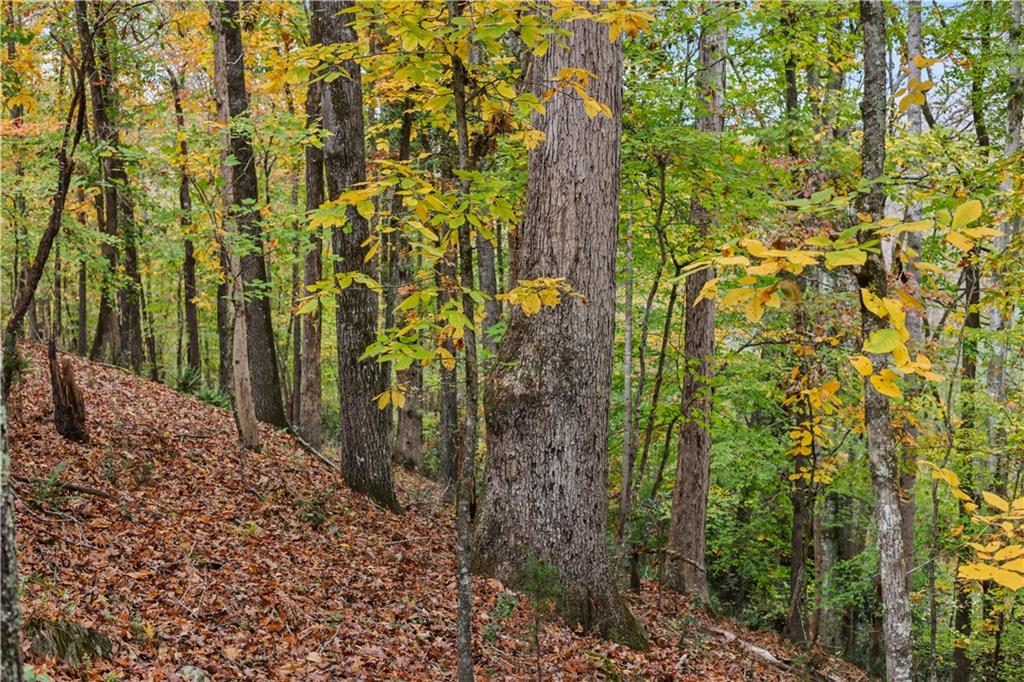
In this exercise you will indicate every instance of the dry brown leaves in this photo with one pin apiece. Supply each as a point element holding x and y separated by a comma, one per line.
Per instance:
<point>264,567</point>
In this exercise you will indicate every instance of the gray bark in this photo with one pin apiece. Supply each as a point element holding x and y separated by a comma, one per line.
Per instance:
<point>548,396</point>
<point>685,567</point>
<point>10,605</point>
<point>266,385</point>
<point>882,460</point>
<point>366,452</point>
<point>225,327</point>
<point>310,387</point>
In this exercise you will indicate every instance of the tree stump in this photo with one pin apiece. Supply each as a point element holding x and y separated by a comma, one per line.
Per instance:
<point>68,404</point>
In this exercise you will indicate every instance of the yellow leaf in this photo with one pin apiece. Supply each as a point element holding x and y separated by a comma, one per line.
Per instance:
<point>708,291</point>
<point>996,501</point>
<point>862,365</point>
<point>982,232</point>
<point>1010,552</point>
<point>447,359</point>
<point>948,476</point>
<point>966,213</point>
<point>734,260</point>
<point>550,297</point>
<point>1008,579</point>
<point>976,572</point>
<point>960,241</point>
<point>768,267</point>
<point>873,303</point>
<point>885,385</point>
<point>834,259</point>
<point>900,356</point>
<point>737,296</point>
<point>882,341</point>
<point>961,495</point>
<point>530,303</point>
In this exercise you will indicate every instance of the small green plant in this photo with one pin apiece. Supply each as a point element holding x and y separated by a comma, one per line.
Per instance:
<point>212,396</point>
<point>49,492</point>
<point>543,591</point>
<point>143,472</point>
<point>312,507</point>
<point>503,608</point>
<point>189,381</point>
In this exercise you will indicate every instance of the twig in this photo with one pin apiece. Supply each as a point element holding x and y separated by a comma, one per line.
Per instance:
<point>313,451</point>
<point>68,486</point>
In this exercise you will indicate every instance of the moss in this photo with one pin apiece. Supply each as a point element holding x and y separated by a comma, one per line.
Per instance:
<point>70,642</point>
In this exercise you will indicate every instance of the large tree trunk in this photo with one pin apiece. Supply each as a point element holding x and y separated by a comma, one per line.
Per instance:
<point>189,263</point>
<point>266,385</point>
<point>548,396</point>
<point>366,452</point>
<point>310,422</point>
<point>884,465</point>
<point>10,604</point>
<point>685,568</point>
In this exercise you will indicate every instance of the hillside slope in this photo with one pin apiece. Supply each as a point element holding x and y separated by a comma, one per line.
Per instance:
<point>262,567</point>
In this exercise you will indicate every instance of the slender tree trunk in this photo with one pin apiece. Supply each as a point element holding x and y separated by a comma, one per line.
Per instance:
<point>659,374</point>
<point>884,466</point>
<point>468,445</point>
<point>685,567</point>
<point>548,396</point>
<point>107,332</point>
<point>266,385</point>
<point>225,326</point>
<point>914,317</point>
<point>189,263</point>
<point>82,321</point>
<point>409,436</point>
<point>366,452</point>
<point>310,421</point>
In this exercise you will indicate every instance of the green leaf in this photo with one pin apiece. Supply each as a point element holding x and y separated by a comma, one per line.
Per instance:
<point>882,341</point>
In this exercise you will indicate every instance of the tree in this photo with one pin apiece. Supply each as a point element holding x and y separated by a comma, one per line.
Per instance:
<point>685,563</point>
<point>189,263</point>
<point>10,603</point>
<point>366,452</point>
<point>310,419</point>
<point>266,385</point>
<point>884,466</point>
<point>548,396</point>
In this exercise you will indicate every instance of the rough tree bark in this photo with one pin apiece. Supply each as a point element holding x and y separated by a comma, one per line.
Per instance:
<point>882,460</point>
<point>548,396</point>
<point>366,452</point>
<point>310,422</point>
<point>10,604</point>
<point>68,403</point>
<point>266,384</point>
<point>685,568</point>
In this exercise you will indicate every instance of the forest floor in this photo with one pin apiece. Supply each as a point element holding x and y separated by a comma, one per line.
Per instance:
<point>265,567</point>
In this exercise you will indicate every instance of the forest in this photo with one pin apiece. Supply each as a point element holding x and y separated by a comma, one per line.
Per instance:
<point>485,339</point>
